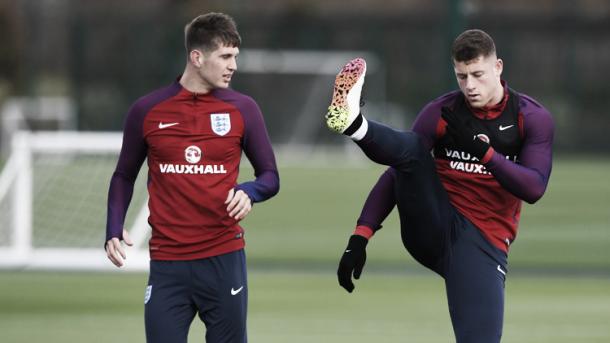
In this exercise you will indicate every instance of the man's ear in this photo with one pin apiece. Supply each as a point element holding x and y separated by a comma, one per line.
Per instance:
<point>499,66</point>
<point>196,58</point>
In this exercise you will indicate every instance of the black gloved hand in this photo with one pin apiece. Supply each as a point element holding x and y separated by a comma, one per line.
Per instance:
<point>352,261</point>
<point>461,132</point>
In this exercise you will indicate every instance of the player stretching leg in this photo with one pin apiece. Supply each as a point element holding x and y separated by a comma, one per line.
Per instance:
<point>459,207</point>
<point>193,133</point>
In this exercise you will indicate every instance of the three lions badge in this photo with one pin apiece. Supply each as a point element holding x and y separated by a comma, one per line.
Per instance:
<point>221,123</point>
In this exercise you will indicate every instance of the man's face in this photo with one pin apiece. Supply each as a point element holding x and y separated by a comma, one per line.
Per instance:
<point>217,67</point>
<point>479,80</point>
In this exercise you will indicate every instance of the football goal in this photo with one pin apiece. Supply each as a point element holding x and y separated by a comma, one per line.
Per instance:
<point>53,193</point>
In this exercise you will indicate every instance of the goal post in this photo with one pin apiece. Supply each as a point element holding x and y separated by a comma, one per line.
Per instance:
<point>53,193</point>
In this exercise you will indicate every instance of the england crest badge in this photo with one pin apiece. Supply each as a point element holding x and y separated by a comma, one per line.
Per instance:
<point>147,294</point>
<point>221,123</point>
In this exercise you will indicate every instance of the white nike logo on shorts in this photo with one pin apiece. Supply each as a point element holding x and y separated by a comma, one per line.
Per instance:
<point>500,270</point>
<point>235,291</point>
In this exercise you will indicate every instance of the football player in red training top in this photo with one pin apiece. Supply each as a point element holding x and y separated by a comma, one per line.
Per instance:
<point>459,206</point>
<point>192,134</point>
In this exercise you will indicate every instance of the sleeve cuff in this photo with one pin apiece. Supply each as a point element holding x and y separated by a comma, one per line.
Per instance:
<point>244,188</point>
<point>364,231</point>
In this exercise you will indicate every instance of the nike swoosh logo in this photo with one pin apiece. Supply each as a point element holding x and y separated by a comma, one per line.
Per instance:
<point>347,250</point>
<point>163,126</point>
<point>500,270</point>
<point>502,128</point>
<point>235,291</point>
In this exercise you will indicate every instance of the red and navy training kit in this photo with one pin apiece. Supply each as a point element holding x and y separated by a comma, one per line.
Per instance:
<point>459,215</point>
<point>193,145</point>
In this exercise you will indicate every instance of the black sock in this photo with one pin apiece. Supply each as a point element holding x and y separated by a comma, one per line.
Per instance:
<point>354,126</point>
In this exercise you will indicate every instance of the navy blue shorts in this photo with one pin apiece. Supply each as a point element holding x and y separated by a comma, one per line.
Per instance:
<point>440,238</point>
<point>216,288</point>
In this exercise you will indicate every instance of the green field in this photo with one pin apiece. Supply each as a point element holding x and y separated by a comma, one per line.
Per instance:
<point>558,287</point>
<point>302,307</point>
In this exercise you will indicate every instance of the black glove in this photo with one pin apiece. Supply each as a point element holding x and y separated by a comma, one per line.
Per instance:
<point>461,132</point>
<point>353,260</point>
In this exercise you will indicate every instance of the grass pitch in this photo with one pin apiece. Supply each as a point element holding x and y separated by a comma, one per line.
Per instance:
<point>558,287</point>
<point>302,307</point>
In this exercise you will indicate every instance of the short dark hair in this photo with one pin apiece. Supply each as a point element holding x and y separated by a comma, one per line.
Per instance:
<point>471,44</point>
<point>208,31</point>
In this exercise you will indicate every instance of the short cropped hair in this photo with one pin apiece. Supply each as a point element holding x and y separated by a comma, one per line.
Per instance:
<point>471,44</point>
<point>209,31</point>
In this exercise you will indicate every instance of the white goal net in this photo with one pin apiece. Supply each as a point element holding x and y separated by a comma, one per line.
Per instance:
<point>53,193</point>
